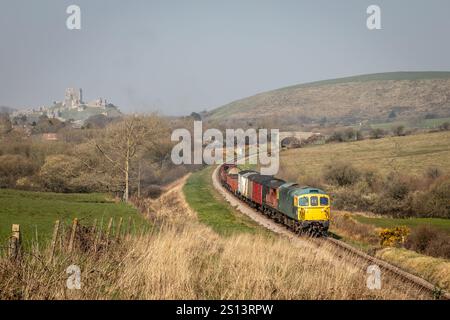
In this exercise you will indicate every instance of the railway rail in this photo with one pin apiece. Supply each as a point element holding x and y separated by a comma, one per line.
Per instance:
<point>404,276</point>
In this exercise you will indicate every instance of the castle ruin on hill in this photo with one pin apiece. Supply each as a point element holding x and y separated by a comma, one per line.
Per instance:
<point>73,99</point>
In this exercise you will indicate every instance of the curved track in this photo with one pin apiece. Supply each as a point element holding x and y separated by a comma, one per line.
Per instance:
<point>365,259</point>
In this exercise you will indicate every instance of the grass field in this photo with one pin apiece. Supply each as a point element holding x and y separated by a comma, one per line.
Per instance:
<point>36,212</point>
<point>410,154</point>
<point>412,223</point>
<point>212,209</point>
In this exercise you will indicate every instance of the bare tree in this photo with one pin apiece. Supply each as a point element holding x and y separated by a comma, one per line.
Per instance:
<point>126,151</point>
<point>120,145</point>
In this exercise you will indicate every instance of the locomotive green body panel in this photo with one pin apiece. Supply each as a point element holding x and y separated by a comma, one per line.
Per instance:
<point>288,195</point>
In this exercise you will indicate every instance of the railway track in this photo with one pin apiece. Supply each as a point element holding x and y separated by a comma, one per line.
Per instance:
<point>404,276</point>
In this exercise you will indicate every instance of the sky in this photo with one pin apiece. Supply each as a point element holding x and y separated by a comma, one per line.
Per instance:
<point>176,57</point>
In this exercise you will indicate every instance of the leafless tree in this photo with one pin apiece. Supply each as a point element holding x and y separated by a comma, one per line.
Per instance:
<point>121,143</point>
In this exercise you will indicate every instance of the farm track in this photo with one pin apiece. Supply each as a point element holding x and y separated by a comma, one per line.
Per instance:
<point>342,249</point>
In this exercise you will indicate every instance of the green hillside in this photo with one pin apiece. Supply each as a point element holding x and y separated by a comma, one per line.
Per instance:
<point>387,76</point>
<point>110,112</point>
<point>408,155</point>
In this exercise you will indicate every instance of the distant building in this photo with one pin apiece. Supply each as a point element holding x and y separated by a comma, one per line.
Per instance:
<point>72,104</point>
<point>99,103</point>
<point>73,98</point>
<point>50,137</point>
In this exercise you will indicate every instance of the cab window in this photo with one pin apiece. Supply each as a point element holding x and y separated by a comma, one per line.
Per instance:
<point>323,201</point>
<point>303,202</point>
<point>314,201</point>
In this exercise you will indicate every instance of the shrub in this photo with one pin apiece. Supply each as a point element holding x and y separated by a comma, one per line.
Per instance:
<point>377,133</point>
<point>433,173</point>
<point>336,137</point>
<point>396,189</point>
<point>372,178</point>
<point>352,198</point>
<point>348,134</point>
<point>436,201</point>
<point>429,241</point>
<point>341,174</point>
<point>445,126</point>
<point>62,173</point>
<point>399,130</point>
<point>393,237</point>
<point>353,228</point>
<point>14,167</point>
<point>151,191</point>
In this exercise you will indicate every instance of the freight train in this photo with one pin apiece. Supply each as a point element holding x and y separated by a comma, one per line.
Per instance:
<point>304,210</point>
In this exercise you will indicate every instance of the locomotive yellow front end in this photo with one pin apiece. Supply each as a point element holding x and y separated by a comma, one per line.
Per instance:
<point>314,211</point>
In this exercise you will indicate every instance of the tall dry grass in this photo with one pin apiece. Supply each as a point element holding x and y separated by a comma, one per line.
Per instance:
<point>183,259</point>
<point>195,263</point>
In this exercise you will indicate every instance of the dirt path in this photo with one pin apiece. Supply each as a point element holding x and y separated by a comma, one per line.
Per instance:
<point>171,205</point>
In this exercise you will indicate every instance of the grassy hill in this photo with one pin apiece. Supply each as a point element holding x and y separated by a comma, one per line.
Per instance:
<point>374,97</point>
<point>411,155</point>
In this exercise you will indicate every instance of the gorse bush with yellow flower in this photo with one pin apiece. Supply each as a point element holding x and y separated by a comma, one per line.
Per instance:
<point>393,237</point>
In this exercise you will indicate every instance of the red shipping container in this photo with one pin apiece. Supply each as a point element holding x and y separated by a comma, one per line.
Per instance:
<point>257,182</point>
<point>232,182</point>
<point>271,195</point>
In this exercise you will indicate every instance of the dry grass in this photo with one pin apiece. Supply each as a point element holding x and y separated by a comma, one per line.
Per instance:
<point>435,270</point>
<point>183,259</point>
<point>195,263</point>
<point>345,225</point>
<point>202,265</point>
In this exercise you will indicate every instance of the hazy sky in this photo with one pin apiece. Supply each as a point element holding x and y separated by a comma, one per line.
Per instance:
<point>181,56</point>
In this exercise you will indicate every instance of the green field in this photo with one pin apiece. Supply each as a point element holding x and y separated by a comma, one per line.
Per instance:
<point>412,154</point>
<point>212,209</point>
<point>443,224</point>
<point>36,212</point>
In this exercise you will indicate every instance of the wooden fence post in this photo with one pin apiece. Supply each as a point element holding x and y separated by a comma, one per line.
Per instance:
<point>14,242</point>
<point>54,240</point>
<point>73,234</point>
<point>61,238</point>
<point>98,235</point>
<point>129,226</point>
<point>94,227</point>
<point>108,230</point>
<point>118,229</point>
